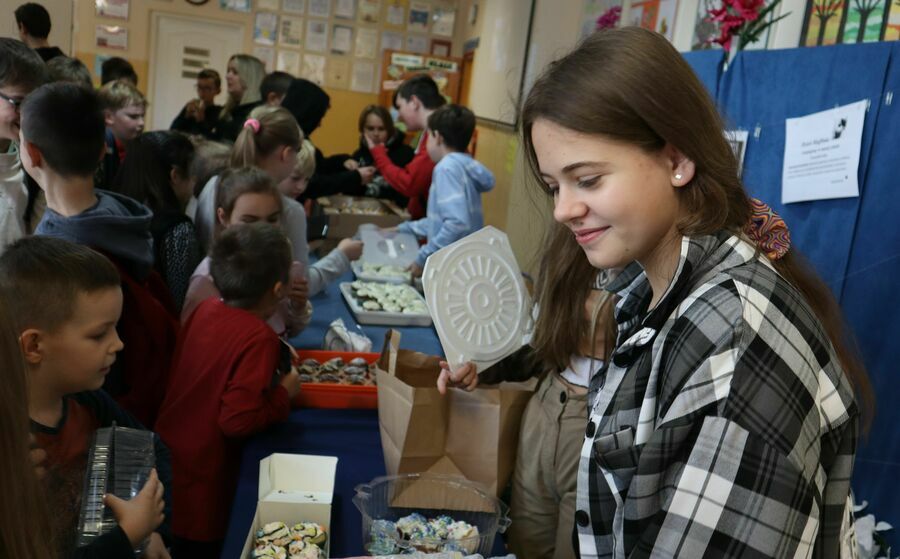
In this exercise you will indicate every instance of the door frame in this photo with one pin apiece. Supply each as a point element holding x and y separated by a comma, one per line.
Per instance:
<point>155,16</point>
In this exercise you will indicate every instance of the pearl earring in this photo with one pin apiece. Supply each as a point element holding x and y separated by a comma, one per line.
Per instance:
<point>678,177</point>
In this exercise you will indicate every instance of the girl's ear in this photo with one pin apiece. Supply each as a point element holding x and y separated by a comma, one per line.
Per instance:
<point>220,215</point>
<point>286,153</point>
<point>682,168</point>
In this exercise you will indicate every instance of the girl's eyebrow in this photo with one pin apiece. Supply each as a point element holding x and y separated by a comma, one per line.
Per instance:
<point>578,165</point>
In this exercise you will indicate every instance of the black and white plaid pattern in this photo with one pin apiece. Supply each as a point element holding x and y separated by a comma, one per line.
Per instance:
<point>724,425</point>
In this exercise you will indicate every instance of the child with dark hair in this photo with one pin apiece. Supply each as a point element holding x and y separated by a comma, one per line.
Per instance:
<point>199,116</point>
<point>157,172</point>
<point>248,195</point>
<point>376,124</point>
<point>21,71</point>
<point>454,200</point>
<point>117,68</point>
<point>226,383</point>
<point>66,300</point>
<point>124,107</point>
<point>273,87</point>
<point>62,139</point>
<point>65,69</point>
<point>34,28</point>
<point>415,100</point>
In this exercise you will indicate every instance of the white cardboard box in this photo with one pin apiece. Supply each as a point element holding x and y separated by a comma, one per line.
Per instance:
<point>294,488</point>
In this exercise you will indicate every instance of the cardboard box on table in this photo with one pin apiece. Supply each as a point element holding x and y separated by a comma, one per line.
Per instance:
<point>294,488</point>
<point>469,434</point>
<point>343,225</point>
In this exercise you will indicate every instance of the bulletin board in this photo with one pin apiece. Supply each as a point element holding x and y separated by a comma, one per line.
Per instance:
<point>397,66</point>
<point>339,43</point>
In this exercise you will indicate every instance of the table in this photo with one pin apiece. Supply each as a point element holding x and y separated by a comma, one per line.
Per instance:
<point>351,435</point>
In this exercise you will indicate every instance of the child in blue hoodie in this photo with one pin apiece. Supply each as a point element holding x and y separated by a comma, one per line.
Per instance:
<point>454,200</point>
<point>62,138</point>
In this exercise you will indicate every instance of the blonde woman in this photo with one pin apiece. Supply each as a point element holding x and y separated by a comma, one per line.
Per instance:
<point>242,80</point>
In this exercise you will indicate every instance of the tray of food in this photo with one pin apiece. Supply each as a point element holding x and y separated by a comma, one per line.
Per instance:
<point>336,380</point>
<point>385,273</point>
<point>386,304</point>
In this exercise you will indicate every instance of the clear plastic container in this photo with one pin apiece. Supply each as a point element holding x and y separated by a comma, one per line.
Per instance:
<point>431,495</point>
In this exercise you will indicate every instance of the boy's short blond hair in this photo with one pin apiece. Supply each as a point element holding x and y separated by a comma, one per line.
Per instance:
<point>306,160</point>
<point>120,94</point>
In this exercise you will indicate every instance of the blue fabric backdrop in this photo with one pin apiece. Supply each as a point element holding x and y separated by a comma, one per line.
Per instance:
<point>853,242</point>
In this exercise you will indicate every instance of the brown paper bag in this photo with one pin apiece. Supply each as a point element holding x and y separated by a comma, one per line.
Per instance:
<point>470,434</point>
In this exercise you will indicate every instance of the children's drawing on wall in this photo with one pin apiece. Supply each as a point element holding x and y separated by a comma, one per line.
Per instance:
<point>830,22</point>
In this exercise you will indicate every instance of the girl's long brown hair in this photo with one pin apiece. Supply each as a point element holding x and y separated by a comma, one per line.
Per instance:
<point>565,280</point>
<point>632,86</point>
<point>24,520</point>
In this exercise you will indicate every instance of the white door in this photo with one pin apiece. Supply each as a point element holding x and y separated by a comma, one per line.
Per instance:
<point>60,21</point>
<point>180,48</point>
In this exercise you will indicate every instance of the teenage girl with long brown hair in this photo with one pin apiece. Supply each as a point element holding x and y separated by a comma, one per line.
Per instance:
<point>726,421</point>
<point>24,527</point>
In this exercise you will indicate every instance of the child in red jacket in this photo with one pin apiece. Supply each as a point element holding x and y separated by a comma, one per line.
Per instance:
<point>225,384</point>
<point>415,99</point>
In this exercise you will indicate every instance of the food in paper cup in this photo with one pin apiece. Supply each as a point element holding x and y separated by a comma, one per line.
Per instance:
<point>415,532</point>
<point>304,540</point>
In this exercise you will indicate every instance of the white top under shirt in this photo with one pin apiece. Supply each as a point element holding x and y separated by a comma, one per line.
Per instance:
<point>580,370</point>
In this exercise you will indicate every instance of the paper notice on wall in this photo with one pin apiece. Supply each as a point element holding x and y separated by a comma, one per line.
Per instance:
<point>265,28</point>
<point>293,6</point>
<point>288,61</point>
<point>314,68</point>
<point>342,39</point>
<point>316,35</point>
<point>821,154</point>
<point>369,10</point>
<point>391,41</point>
<point>363,78</point>
<point>291,33</point>
<point>395,14</point>
<point>366,43</point>
<point>112,37</point>
<point>338,73</point>
<point>266,55</point>
<point>320,8</point>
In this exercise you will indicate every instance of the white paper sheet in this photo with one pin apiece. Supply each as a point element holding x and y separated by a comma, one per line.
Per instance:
<point>366,43</point>
<point>316,35</point>
<point>821,154</point>
<point>342,39</point>
<point>363,77</point>
<point>293,6</point>
<point>291,32</point>
<point>314,68</point>
<point>288,61</point>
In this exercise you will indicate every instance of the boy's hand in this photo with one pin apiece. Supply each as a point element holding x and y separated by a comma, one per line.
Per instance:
<point>366,174</point>
<point>351,249</point>
<point>143,514</point>
<point>156,549</point>
<point>37,455</point>
<point>299,293</point>
<point>351,165</point>
<point>465,377</point>
<point>291,382</point>
<point>415,270</point>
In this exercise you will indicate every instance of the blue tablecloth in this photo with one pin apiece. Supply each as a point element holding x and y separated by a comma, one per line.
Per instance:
<point>351,435</point>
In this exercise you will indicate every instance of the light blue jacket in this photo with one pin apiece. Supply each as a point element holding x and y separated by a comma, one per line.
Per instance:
<point>454,203</point>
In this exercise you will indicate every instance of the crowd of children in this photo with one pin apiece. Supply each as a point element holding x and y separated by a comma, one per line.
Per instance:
<point>720,393</point>
<point>143,299</point>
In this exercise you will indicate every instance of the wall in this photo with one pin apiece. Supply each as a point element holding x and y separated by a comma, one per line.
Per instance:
<point>338,131</point>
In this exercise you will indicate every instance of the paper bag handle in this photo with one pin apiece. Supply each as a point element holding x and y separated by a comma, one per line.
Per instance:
<point>391,348</point>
